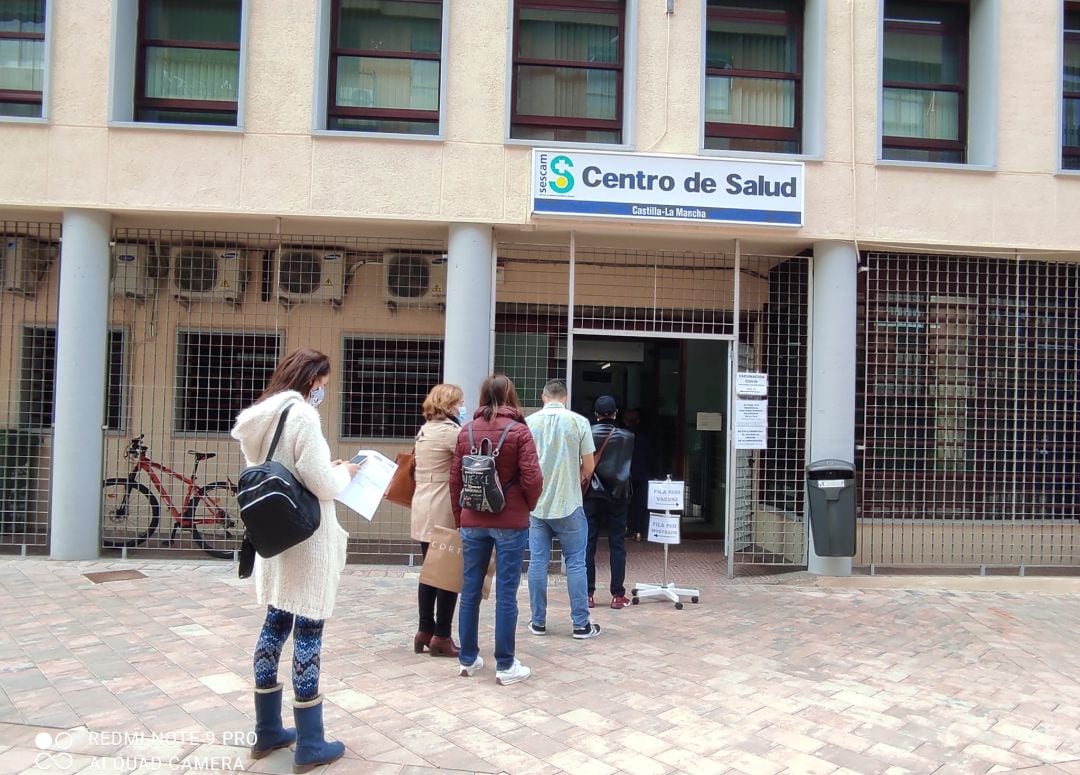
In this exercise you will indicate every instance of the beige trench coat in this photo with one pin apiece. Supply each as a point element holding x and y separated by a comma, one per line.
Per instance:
<point>434,454</point>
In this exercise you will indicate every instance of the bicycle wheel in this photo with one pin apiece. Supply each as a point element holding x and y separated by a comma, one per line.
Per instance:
<point>216,520</point>
<point>129,513</point>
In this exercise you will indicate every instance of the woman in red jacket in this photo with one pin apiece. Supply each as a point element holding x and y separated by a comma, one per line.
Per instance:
<point>507,532</point>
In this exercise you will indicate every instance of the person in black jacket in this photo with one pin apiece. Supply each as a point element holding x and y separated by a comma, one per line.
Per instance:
<point>607,499</point>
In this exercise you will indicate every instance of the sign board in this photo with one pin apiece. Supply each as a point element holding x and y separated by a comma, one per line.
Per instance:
<point>749,437</point>
<point>710,421</point>
<point>599,184</point>
<point>828,484</point>
<point>666,495</point>
<point>750,383</point>
<point>663,529</point>
<point>753,413</point>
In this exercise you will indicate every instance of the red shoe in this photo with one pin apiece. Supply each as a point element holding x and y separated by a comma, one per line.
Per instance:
<point>620,601</point>
<point>592,603</point>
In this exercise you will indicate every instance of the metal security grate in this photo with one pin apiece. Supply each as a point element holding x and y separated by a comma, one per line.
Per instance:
<point>769,528</point>
<point>29,271</point>
<point>971,378</point>
<point>201,319</point>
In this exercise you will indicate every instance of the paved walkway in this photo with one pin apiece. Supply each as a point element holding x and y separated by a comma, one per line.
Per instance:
<point>780,674</point>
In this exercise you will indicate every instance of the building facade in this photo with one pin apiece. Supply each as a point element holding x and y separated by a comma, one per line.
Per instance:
<point>782,230</point>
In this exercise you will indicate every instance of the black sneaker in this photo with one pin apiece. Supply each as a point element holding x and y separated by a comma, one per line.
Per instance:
<point>537,629</point>
<point>590,630</point>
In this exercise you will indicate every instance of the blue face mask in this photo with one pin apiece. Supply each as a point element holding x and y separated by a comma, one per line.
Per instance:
<point>317,395</point>
<point>462,415</point>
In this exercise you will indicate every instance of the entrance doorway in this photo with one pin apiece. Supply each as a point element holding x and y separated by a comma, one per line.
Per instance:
<point>679,387</point>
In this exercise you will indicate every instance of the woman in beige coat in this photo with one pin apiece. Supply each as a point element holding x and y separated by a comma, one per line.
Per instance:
<point>431,506</point>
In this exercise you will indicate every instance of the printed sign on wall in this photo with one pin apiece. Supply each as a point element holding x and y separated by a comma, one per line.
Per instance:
<point>666,188</point>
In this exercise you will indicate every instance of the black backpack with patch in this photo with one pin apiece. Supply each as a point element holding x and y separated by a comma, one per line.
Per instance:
<point>481,489</point>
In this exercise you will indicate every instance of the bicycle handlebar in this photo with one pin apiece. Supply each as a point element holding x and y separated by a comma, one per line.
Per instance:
<point>136,448</point>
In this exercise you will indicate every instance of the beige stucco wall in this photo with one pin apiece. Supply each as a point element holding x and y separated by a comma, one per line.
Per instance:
<point>277,166</point>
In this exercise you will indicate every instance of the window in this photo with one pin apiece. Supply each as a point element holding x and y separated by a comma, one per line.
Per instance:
<point>924,72</point>
<point>1070,106</point>
<point>385,62</point>
<point>384,382</point>
<point>753,75</point>
<point>568,71</point>
<point>217,375</point>
<point>22,57</point>
<point>188,63</point>
<point>36,406</point>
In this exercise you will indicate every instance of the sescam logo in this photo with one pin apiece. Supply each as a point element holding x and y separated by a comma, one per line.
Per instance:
<point>555,174</point>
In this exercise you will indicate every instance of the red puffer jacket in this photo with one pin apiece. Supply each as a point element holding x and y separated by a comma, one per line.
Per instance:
<point>517,465</point>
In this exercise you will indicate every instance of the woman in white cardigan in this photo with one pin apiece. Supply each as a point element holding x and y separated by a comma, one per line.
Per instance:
<point>298,586</point>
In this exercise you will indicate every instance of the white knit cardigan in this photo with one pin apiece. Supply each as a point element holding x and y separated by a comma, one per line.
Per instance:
<point>304,579</point>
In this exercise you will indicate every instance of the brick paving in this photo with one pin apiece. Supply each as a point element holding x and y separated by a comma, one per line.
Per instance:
<point>771,674</point>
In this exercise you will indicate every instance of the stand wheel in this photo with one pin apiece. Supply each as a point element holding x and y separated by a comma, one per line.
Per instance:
<point>678,606</point>
<point>633,592</point>
<point>634,600</point>
<point>694,599</point>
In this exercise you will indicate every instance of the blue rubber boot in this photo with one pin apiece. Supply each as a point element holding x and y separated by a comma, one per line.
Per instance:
<point>270,735</point>
<point>312,748</point>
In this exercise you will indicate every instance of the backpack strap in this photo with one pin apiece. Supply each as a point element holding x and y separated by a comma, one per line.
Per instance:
<point>502,438</point>
<point>280,428</point>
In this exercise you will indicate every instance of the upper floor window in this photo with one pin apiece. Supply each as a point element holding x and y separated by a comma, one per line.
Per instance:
<point>1070,106</point>
<point>22,57</point>
<point>188,61</point>
<point>753,75</point>
<point>567,82</point>
<point>385,62</point>
<point>924,81</point>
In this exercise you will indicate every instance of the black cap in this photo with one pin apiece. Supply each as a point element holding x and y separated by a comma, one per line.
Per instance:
<point>605,405</point>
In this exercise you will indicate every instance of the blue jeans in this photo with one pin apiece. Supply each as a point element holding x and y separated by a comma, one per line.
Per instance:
<point>573,533</point>
<point>477,544</point>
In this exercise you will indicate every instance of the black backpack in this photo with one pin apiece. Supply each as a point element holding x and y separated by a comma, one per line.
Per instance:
<point>278,511</point>
<point>480,486</point>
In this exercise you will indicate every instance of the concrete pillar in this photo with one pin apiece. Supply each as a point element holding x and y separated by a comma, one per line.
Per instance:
<point>832,371</point>
<point>82,326</point>
<point>470,302</point>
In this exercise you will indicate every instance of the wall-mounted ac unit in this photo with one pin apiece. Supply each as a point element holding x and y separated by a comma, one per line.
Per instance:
<point>24,264</point>
<point>134,271</point>
<point>304,274</point>
<point>414,279</point>
<point>207,274</point>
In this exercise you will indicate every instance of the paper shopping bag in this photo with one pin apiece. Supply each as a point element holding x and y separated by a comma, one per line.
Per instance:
<point>444,567</point>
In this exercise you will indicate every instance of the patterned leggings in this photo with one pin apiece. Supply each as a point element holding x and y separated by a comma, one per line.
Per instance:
<point>307,646</point>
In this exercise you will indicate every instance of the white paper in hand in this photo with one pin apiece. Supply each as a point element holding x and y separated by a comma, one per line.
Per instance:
<point>365,492</point>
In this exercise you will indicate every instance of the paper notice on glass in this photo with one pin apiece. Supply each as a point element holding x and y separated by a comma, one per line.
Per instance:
<point>751,383</point>
<point>752,413</point>
<point>751,438</point>
<point>365,492</point>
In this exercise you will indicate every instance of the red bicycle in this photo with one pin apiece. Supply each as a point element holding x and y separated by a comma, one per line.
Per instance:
<point>131,513</point>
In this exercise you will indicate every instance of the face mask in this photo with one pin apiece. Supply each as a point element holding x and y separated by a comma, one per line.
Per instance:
<point>462,415</point>
<point>317,396</point>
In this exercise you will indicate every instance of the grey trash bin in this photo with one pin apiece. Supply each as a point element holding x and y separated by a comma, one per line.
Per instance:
<point>831,487</point>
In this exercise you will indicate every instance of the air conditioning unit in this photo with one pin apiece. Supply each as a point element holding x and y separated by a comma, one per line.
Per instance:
<point>414,279</point>
<point>25,263</point>
<point>207,274</point>
<point>304,274</point>
<point>134,271</point>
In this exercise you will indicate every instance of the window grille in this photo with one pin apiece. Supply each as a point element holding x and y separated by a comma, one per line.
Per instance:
<point>967,410</point>
<point>29,273</point>
<point>206,315</point>
<point>385,382</point>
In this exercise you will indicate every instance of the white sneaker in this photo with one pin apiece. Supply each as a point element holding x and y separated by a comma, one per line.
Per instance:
<point>468,671</point>
<point>516,672</point>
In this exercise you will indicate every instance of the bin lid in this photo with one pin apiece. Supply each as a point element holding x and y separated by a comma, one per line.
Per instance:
<point>838,467</point>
